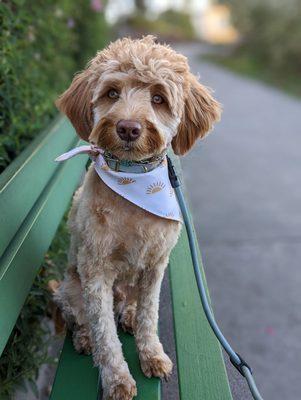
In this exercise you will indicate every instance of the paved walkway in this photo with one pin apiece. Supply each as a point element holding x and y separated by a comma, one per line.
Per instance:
<point>244,188</point>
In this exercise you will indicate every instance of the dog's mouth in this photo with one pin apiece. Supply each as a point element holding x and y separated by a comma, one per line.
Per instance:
<point>127,146</point>
<point>150,143</point>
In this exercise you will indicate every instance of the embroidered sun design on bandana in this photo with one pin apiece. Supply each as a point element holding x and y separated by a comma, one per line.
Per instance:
<point>155,187</point>
<point>105,167</point>
<point>125,181</point>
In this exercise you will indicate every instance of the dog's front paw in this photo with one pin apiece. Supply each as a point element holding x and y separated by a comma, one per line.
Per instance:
<point>159,365</point>
<point>121,390</point>
<point>123,387</point>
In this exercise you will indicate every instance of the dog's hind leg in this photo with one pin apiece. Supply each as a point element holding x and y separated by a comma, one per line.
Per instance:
<point>69,298</point>
<point>125,307</point>
<point>128,317</point>
<point>81,339</point>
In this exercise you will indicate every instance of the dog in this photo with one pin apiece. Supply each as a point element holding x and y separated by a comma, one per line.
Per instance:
<point>135,99</point>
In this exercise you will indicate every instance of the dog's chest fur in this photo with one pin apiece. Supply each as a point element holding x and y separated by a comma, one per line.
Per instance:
<point>118,235</point>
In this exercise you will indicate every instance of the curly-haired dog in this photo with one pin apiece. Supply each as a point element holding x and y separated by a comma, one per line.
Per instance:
<point>134,99</point>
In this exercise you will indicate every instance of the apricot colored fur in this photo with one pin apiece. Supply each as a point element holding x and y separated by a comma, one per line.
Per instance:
<point>118,252</point>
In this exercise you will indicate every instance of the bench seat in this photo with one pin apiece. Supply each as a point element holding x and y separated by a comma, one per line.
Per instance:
<point>34,194</point>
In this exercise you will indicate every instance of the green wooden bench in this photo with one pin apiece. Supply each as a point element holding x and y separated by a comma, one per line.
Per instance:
<point>34,195</point>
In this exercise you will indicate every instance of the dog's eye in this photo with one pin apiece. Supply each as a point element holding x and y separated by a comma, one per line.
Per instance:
<point>157,99</point>
<point>113,94</point>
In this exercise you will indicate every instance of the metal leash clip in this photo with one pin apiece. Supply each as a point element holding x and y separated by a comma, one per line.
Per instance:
<point>240,366</point>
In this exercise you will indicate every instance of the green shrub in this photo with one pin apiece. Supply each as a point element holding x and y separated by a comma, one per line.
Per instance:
<point>42,43</point>
<point>271,32</point>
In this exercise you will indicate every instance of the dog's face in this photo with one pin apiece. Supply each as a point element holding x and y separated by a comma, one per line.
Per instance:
<point>136,97</point>
<point>132,119</point>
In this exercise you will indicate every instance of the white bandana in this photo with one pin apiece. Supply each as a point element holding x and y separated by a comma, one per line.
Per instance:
<point>151,190</point>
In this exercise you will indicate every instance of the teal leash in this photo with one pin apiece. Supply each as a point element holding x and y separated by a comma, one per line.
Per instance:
<point>236,360</point>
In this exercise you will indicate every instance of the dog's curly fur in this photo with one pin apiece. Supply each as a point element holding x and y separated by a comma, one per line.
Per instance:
<point>118,252</point>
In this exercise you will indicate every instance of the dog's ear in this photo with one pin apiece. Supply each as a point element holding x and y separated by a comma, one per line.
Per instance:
<point>201,110</point>
<point>75,102</point>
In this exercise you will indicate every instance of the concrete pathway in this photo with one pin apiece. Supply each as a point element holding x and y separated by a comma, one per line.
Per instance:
<point>244,187</point>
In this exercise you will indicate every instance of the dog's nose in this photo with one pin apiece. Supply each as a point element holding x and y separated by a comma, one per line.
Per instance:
<point>128,130</point>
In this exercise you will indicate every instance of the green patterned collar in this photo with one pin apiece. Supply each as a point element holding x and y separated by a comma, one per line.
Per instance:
<point>135,167</point>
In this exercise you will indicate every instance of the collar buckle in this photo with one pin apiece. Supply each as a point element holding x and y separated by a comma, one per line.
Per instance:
<point>117,165</point>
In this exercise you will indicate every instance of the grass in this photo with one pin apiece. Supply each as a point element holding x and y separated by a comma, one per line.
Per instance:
<point>247,65</point>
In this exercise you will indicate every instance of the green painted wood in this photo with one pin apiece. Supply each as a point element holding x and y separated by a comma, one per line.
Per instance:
<point>22,258</point>
<point>201,368</point>
<point>148,389</point>
<point>23,181</point>
<point>76,379</point>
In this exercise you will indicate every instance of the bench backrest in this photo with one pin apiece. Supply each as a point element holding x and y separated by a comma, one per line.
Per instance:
<point>34,194</point>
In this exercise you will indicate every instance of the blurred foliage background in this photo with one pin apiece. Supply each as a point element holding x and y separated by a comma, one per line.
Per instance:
<point>42,43</point>
<point>270,41</point>
<point>170,25</point>
<point>270,30</point>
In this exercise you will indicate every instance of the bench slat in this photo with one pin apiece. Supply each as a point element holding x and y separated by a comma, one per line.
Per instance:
<point>22,258</point>
<point>76,379</point>
<point>148,389</point>
<point>201,368</point>
<point>23,181</point>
